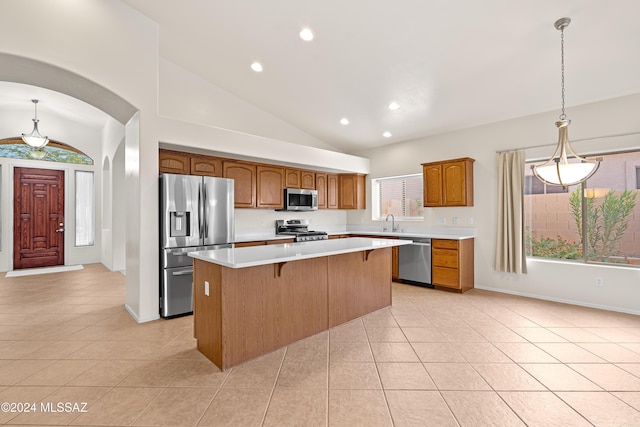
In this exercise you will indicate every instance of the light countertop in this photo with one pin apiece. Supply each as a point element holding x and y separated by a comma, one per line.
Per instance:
<point>440,233</point>
<point>271,254</point>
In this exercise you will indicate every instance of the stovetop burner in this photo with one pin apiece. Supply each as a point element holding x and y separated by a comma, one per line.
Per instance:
<point>300,229</point>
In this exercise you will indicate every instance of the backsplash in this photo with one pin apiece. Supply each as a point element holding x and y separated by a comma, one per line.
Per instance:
<point>262,221</point>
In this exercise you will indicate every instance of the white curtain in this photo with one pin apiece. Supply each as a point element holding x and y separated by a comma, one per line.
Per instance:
<point>510,243</point>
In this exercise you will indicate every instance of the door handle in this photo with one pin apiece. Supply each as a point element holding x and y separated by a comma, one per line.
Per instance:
<point>59,230</point>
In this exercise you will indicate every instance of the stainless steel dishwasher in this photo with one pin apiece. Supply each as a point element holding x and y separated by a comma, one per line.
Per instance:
<point>415,262</point>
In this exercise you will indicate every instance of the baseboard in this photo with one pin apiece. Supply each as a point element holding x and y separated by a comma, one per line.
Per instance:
<point>138,319</point>
<point>564,301</point>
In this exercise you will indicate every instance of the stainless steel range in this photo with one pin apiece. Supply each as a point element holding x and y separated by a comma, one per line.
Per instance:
<point>299,228</point>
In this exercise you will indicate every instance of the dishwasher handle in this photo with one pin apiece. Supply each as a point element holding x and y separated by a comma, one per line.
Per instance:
<point>418,241</point>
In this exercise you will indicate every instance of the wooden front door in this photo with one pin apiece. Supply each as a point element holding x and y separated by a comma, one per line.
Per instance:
<point>38,217</point>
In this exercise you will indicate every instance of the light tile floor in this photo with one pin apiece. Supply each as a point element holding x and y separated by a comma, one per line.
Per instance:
<point>433,358</point>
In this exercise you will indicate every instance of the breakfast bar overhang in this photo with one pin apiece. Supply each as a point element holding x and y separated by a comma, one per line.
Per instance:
<point>253,300</point>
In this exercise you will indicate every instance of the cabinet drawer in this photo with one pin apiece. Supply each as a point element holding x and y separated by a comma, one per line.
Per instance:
<point>444,244</point>
<point>445,258</point>
<point>445,277</point>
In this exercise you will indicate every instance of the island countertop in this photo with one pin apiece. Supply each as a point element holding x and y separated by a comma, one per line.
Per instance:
<point>271,254</point>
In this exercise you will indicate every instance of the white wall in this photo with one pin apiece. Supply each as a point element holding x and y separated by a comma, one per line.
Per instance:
<point>262,221</point>
<point>113,190</point>
<point>115,47</point>
<point>112,45</point>
<point>559,281</point>
<point>86,139</point>
<point>189,98</point>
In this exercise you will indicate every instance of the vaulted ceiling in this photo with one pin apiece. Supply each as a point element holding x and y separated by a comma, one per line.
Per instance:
<point>448,64</point>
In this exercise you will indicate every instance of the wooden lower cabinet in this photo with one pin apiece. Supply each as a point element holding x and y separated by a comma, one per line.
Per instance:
<point>395,253</point>
<point>452,263</point>
<point>262,242</point>
<point>251,311</point>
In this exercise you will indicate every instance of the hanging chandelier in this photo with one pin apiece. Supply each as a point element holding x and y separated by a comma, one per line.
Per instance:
<point>34,139</point>
<point>557,170</point>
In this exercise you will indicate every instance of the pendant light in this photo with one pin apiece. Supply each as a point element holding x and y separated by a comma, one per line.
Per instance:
<point>557,171</point>
<point>34,139</point>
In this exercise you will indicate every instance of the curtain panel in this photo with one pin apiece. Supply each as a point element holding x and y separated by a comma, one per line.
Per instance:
<point>510,242</point>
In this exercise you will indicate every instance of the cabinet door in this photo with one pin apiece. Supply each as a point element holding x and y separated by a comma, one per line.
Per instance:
<point>453,184</point>
<point>332,191</point>
<point>206,166</point>
<point>321,187</point>
<point>432,176</point>
<point>270,187</point>
<point>174,162</point>
<point>244,176</point>
<point>292,178</point>
<point>351,191</point>
<point>308,180</point>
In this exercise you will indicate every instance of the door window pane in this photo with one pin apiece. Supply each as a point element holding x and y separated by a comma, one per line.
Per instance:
<point>85,209</point>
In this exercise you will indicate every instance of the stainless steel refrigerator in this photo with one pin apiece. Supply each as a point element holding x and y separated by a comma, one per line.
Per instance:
<point>196,213</point>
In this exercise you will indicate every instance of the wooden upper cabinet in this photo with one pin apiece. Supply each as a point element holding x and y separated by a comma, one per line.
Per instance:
<point>174,162</point>
<point>321,187</point>
<point>270,181</point>
<point>206,165</point>
<point>292,178</point>
<point>308,180</point>
<point>351,191</point>
<point>332,191</point>
<point>448,183</point>
<point>244,177</point>
<point>432,177</point>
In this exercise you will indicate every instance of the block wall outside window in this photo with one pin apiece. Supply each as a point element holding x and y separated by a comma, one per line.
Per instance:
<point>553,218</point>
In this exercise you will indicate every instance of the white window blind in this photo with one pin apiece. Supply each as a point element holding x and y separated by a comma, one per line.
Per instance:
<point>85,209</point>
<point>399,195</point>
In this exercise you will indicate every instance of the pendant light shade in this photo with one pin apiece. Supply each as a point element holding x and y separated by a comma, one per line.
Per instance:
<point>35,139</point>
<point>557,171</point>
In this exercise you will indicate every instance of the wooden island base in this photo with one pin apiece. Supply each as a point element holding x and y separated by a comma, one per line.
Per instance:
<point>252,311</point>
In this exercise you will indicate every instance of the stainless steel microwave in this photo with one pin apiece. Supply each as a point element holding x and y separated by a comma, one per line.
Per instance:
<point>296,199</point>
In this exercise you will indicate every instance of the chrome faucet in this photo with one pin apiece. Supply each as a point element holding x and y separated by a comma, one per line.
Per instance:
<point>393,223</point>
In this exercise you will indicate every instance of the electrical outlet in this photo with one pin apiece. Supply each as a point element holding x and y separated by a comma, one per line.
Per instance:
<point>442,220</point>
<point>599,282</point>
<point>456,221</point>
<point>206,288</point>
<point>470,220</point>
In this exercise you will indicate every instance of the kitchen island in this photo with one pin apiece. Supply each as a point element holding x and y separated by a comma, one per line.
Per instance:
<point>253,300</point>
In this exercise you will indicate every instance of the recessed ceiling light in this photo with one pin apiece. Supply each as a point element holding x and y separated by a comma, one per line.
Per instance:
<point>387,134</point>
<point>394,106</point>
<point>306,34</point>
<point>257,67</point>
<point>344,121</point>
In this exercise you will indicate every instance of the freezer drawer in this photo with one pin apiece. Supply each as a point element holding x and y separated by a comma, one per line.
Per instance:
<point>177,292</point>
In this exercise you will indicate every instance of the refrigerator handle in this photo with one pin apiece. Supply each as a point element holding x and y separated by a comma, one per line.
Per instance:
<point>205,216</point>
<point>200,213</point>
